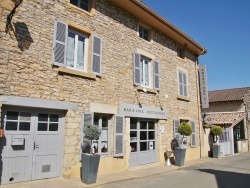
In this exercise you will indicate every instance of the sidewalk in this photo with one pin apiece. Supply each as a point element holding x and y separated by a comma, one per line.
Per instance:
<point>107,178</point>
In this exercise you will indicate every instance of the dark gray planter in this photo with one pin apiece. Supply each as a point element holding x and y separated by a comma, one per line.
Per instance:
<point>179,154</point>
<point>90,164</point>
<point>216,151</point>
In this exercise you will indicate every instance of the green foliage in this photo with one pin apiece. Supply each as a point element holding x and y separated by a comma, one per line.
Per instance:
<point>216,130</point>
<point>92,132</point>
<point>185,129</point>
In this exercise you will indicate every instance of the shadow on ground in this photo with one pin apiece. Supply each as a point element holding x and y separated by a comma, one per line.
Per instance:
<point>227,179</point>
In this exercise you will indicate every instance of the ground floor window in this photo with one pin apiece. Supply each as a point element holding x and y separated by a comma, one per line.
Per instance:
<point>101,146</point>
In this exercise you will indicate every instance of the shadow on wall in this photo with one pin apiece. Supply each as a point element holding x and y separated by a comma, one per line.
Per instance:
<point>227,179</point>
<point>22,35</point>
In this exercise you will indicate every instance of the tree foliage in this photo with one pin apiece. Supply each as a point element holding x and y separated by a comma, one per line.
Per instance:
<point>216,130</point>
<point>185,129</point>
<point>92,132</point>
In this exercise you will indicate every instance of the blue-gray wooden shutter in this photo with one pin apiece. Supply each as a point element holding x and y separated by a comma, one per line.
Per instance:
<point>119,136</point>
<point>96,64</point>
<point>193,135</point>
<point>137,68</point>
<point>177,135</point>
<point>180,83</point>
<point>87,119</point>
<point>156,75</point>
<point>184,84</point>
<point>60,43</point>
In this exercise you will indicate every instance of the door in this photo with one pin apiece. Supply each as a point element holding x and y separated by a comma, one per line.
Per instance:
<point>224,140</point>
<point>32,145</point>
<point>142,142</point>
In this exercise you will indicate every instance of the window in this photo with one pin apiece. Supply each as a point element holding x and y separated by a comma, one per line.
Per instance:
<point>146,71</point>
<point>70,49</point>
<point>180,52</point>
<point>17,121</point>
<point>145,63</point>
<point>77,48</point>
<point>83,4</point>
<point>182,76</point>
<point>144,33</point>
<point>48,122</point>
<point>102,145</point>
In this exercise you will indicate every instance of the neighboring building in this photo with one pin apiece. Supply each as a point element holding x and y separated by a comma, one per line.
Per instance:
<point>227,108</point>
<point>117,64</point>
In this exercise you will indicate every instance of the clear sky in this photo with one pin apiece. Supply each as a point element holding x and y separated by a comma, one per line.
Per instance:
<point>223,28</point>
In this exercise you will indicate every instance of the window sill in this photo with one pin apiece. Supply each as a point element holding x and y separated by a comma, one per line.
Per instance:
<point>91,13</point>
<point>182,59</point>
<point>75,72</point>
<point>146,90</point>
<point>183,98</point>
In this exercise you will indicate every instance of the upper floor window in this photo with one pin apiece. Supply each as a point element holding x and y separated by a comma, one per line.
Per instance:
<point>70,49</point>
<point>144,33</point>
<point>182,77</point>
<point>146,71</point>
<point>77,48</point>
<point>83,4</point>
<point>180,52</point>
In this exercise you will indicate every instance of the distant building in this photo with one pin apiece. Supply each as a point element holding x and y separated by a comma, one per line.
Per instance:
<point>228,109</point>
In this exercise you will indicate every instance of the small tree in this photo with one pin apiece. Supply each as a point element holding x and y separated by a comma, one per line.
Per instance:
<point>92,132</point>
<point>184,129</point>
<point>215,131</point>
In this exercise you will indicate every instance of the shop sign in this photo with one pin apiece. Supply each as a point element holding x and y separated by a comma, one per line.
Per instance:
<point>131,110</point>
<point>203,86</point>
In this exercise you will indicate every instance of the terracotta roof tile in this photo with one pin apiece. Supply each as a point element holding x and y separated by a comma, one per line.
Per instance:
<point>224,118</point>
<point>235,94</point>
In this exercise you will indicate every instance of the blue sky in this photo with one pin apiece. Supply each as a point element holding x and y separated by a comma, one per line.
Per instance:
<point>223,28</point>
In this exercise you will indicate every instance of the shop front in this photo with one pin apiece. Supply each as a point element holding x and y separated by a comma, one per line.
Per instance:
<point>144,129</point>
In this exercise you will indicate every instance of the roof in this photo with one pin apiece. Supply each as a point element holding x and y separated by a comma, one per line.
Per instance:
<point>220,118</point>
<point>235,94</point>
<point>153,19</point>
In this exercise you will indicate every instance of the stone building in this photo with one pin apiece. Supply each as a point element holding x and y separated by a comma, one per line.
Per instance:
<point>228,109</point>
<point>116,64</point>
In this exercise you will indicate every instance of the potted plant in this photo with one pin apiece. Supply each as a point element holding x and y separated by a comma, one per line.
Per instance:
<point>215,131</point>
<point>90,161</point>
<point>184,129</point>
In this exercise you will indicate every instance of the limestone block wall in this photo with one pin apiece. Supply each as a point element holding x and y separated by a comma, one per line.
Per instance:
<point>232,106</point>
<point>26,68</point>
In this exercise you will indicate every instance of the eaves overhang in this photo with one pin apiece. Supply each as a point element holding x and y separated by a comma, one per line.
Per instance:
<point>150,17</point>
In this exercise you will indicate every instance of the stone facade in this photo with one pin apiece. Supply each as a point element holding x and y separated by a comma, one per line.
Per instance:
<point>26,70</point>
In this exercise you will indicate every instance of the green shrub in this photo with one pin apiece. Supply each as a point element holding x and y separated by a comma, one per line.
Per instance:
<point>92,132</point>
<point>216,130</point>
<point>185,129</point>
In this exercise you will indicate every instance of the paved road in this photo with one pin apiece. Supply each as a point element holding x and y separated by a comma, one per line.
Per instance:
<point>229,172</point>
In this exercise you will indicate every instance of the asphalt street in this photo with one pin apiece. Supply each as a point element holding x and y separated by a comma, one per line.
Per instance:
<point>228,172</point>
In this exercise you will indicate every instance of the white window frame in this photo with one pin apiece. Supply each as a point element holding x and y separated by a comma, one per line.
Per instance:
<point>108,132</point>
<point>86,44</point>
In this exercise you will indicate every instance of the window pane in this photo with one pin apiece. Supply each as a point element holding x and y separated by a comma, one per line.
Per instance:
<point>96,120</point>
<point>11,126</point>
<point>70,49</point>
<point>104,122</point>
<point>151,125</point>
<point>53,127</point>
<point>24,126</point>
<point>133,147</point>
<point>133,136</point>
<point>151,135</point>
<point>84,4</point>
<point>104,148</point>
<point>143,135</point>
<point>54,118</point>
<point>25,116</point>
<point>95,146</point>
<point>12,115</point>
<point>143,146</point>
<point>43,117</point>
<point>42,127</point>
<point>143,125</point>
<point>146,73</point>
<point>151,145</point>
<point>74,2</point>
<point>80,53</point>
<point>133,123</point>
